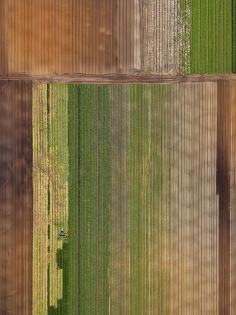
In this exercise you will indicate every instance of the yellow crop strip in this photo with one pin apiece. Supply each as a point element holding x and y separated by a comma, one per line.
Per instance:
<point>40,204</point>
<point>50,185</point>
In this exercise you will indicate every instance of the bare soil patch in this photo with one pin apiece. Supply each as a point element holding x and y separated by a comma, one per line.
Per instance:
<point>15,198</point>
<point>68,36</point>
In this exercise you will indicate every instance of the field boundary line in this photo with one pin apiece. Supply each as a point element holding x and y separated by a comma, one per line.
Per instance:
<point>119,78</point>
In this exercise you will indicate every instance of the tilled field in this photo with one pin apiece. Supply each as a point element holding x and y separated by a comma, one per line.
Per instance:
<point>16,201</point>
<point>68,36</point>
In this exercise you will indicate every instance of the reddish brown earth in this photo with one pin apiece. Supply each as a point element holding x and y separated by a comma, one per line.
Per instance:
<point>15,198</point>
<point>3,59</point>
<point>68,36</point>
<point>232,94</point>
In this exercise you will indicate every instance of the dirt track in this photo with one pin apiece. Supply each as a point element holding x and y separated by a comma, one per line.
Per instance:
<point>15,198</point>
<point>117,78</point>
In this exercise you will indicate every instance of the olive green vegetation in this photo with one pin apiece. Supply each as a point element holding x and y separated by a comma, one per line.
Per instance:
<point>67,257</point>
<point>233,36</point>
<point>211,36</point>
<point>94,200</point>
<point>149,217</point>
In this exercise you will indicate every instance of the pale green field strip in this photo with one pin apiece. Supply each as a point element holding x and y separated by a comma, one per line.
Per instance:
<point>58,182</point>
<point>66,100</point>
<point>148,206</point>
<point>94,200</point>
<point>72,284</point>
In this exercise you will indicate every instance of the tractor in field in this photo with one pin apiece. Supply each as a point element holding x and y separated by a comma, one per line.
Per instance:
<point>63,235</point>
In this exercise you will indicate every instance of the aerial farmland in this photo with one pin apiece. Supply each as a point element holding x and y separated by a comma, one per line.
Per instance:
<point>131,174</point>
<point>117,157</point>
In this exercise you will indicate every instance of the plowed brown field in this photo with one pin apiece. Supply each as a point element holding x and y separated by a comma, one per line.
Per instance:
<point>68,36</point>
<point>15,198</point>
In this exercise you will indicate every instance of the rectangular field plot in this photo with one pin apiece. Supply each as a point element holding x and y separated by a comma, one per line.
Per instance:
<point>16,198</point>
<point>141,179</point>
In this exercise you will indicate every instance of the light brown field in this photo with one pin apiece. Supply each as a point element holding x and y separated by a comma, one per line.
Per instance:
<point>68,36</point>
<point>194,206</point>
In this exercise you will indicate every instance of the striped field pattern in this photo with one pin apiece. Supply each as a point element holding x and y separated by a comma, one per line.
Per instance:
<point>148,171</point>
<point>114,37</point>
<point>118,157</point>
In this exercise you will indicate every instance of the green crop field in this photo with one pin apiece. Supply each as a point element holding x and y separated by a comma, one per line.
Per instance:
<point>207,37</point>
<point>233,36</point>
<point>211,36</point>
<point>148,218</point>
<point>94,191</point>
<point>122,168</point>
